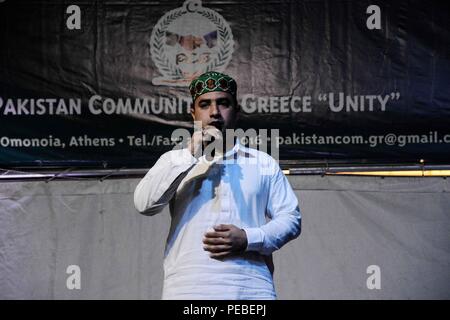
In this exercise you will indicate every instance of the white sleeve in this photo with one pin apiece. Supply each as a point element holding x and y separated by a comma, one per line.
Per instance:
<point>157,187</point>
<point>284,212</point>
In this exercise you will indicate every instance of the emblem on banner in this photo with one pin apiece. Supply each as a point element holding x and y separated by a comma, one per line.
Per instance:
<point>189,41</point>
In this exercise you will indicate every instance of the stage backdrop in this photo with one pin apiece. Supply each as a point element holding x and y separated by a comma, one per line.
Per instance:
<point>104,83</point>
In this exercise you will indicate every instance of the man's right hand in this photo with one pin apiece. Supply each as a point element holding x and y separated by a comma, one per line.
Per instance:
<point>201,138</point>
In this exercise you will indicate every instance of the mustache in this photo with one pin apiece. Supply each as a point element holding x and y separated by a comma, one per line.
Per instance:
<point>216,122</point>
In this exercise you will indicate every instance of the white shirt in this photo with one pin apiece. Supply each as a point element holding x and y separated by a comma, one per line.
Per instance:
<point>246,188</point>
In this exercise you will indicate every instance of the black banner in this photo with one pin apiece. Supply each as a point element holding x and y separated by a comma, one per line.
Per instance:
<point>104,83</point>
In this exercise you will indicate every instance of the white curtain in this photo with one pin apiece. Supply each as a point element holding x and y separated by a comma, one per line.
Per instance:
<point>399,225</point>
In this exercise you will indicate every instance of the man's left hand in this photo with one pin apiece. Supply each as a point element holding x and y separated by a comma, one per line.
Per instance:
<point>225,240</point>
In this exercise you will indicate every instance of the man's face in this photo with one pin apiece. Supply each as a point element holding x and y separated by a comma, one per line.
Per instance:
<point>218,109</point>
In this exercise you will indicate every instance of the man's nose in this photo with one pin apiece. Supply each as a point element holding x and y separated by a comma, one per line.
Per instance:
<point>214,110</point>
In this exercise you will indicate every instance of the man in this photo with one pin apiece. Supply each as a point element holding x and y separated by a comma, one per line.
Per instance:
<point>230,208</point>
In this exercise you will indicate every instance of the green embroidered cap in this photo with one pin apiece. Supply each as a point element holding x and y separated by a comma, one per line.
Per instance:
<point>212,81</point>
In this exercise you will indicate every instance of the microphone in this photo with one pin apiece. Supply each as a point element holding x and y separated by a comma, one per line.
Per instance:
<point>206,143</point>
<point>213,151</point>
<point>210,138</point>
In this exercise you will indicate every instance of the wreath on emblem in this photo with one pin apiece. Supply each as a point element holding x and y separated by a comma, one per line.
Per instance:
<point>225,36</point>
<point>157,44</point>
<point>157,41</point>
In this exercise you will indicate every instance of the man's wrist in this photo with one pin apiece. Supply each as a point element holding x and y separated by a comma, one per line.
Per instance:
<point>255,239</point>
<point>182,157</point>
<point>245,243</point>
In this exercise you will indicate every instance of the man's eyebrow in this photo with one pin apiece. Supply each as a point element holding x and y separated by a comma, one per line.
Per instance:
<point>221,99</point>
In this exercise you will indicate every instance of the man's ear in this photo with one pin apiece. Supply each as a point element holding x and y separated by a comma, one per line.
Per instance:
<point>192,111</point>
<point>238,107</point>
<point>238,110</point>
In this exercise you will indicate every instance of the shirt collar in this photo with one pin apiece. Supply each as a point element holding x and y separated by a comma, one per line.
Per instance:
<point>228,154</point>
<point>236,148</point>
